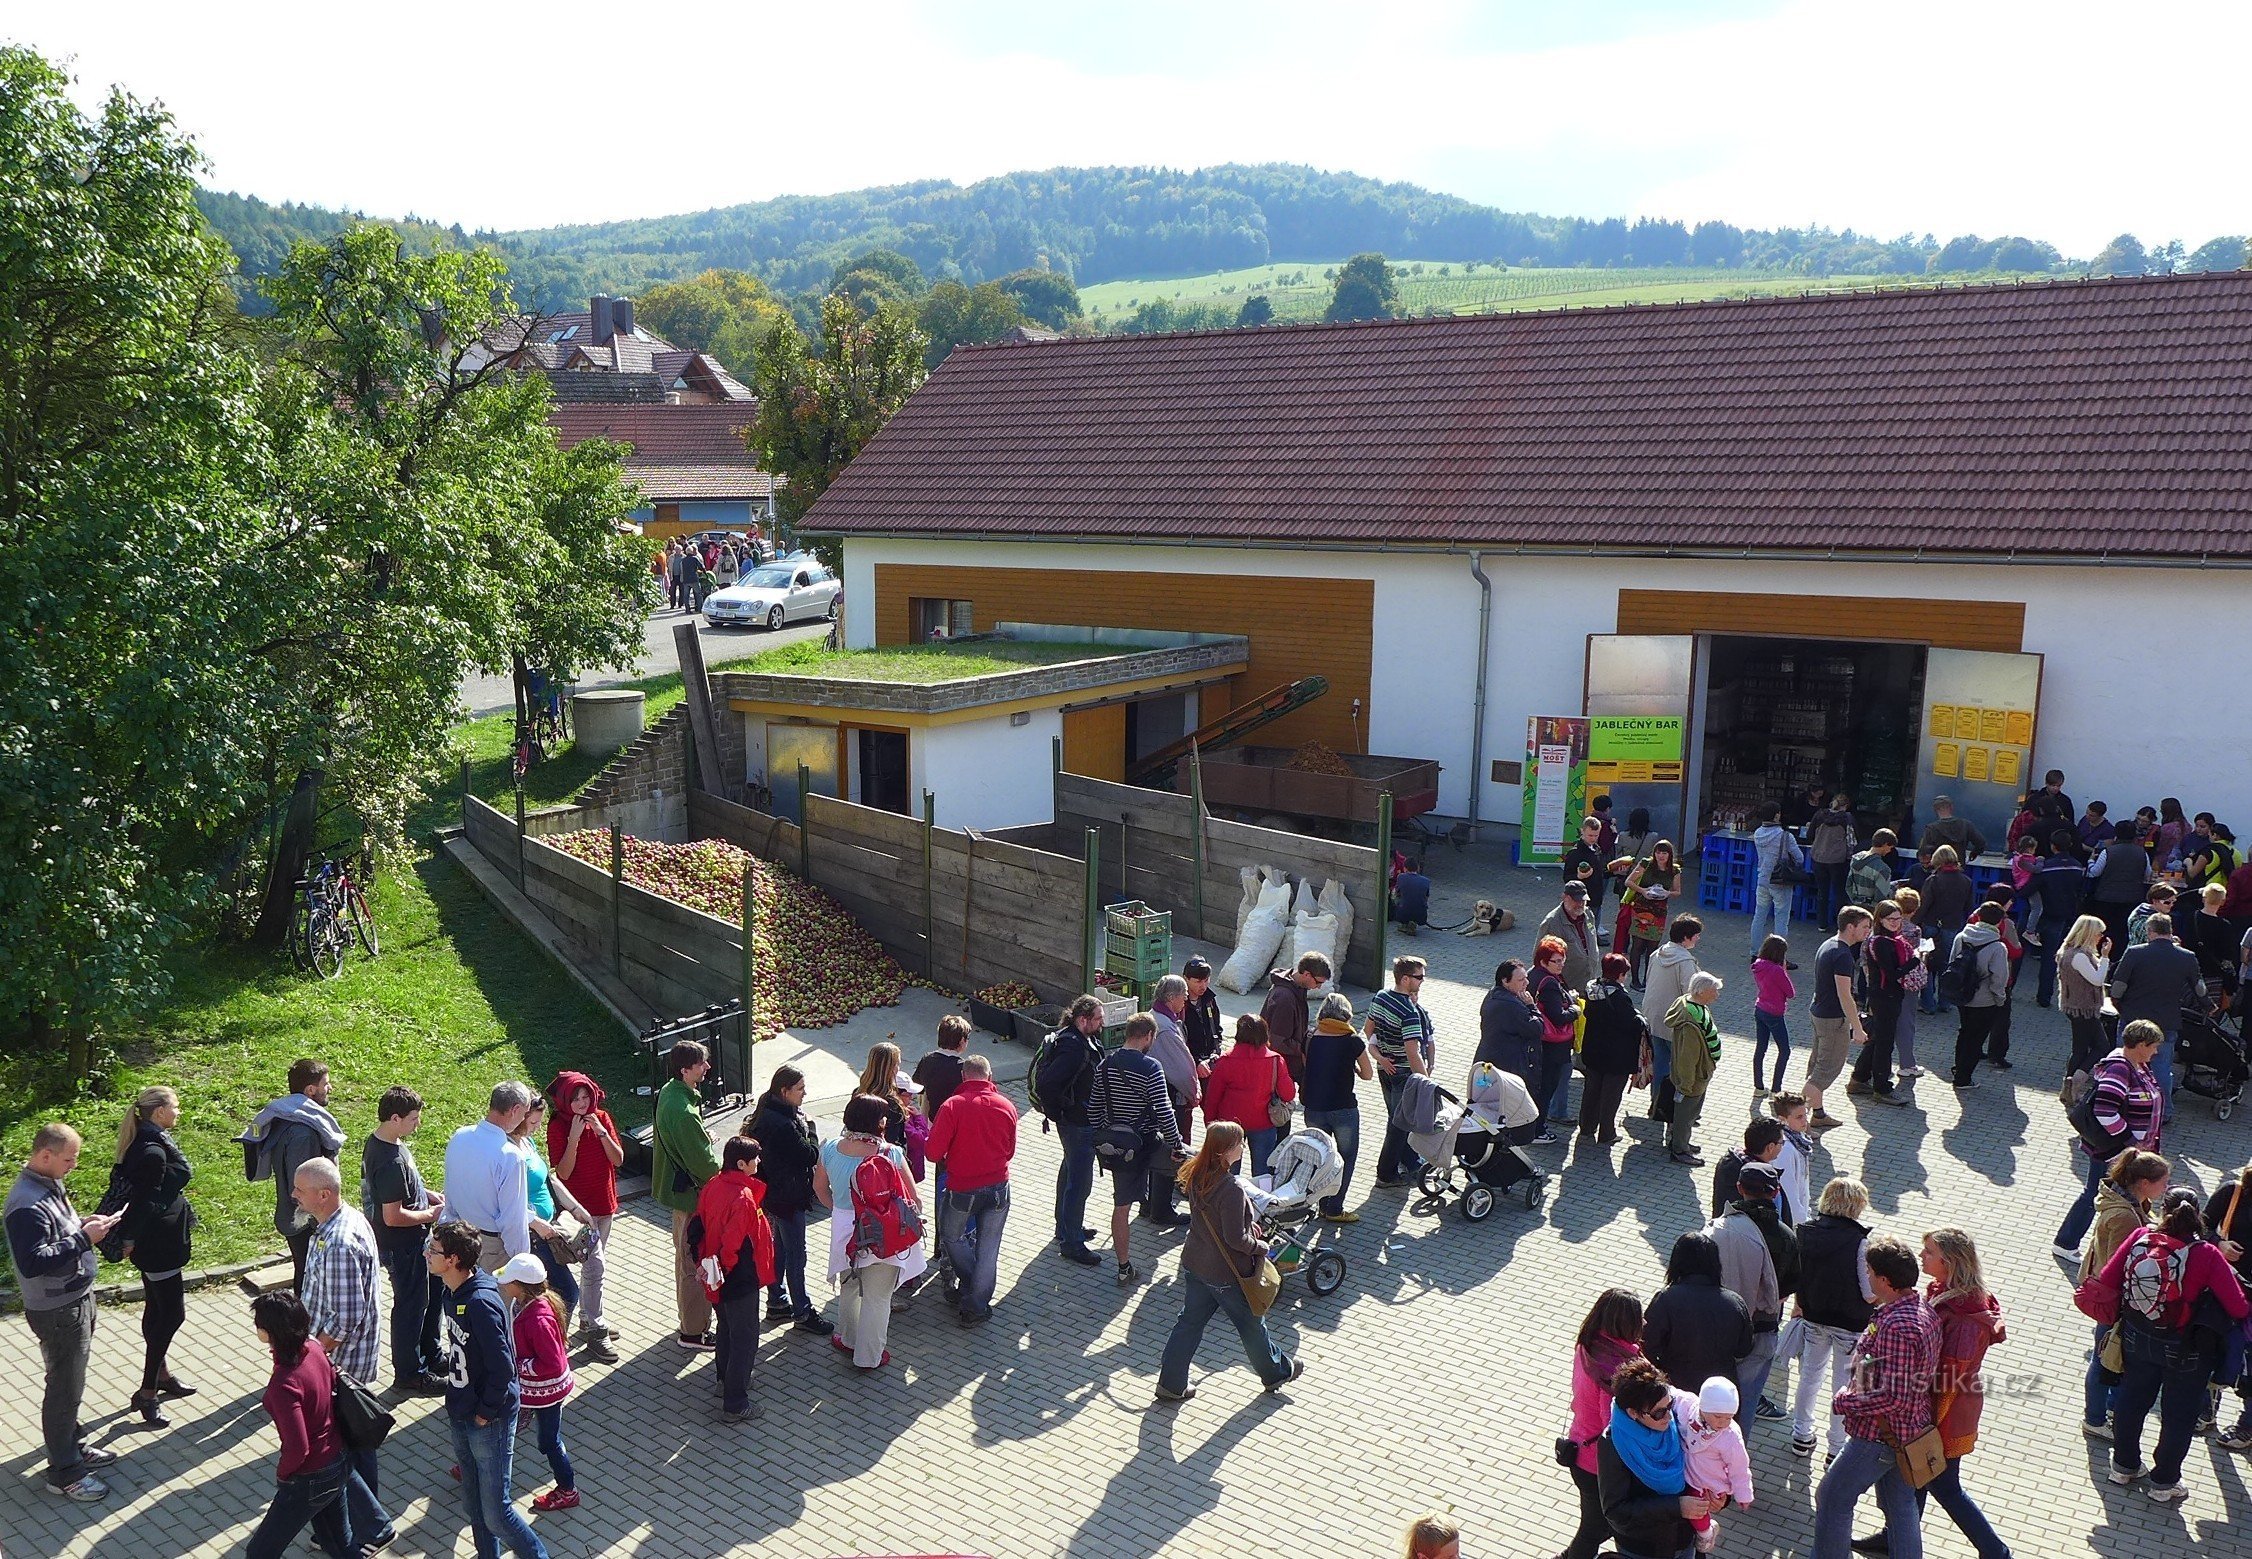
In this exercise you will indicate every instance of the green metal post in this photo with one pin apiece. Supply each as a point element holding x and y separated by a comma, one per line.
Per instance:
<point>930,922</point>
<point>1383,878</point>
<point>519,838</point>
<point>617,899</point>
<point>1196,848</point>
<point>805,811</point>
<point>1092,925</point>
<point>750,963</point>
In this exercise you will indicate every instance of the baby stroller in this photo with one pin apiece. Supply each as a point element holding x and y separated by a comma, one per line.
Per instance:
<point>1302,1170</point>
<point>1474,1152</point>
<point>2211,1052</point>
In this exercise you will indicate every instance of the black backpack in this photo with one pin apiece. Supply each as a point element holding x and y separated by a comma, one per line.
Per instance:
<point>1047,1092</point>
<point>1960,977</point>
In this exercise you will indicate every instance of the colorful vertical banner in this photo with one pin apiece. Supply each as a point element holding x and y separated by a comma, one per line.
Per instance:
<point>1555,787</point>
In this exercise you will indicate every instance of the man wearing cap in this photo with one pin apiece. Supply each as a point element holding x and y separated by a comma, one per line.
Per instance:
<point>1759,1264</point>
<point>1335,1057</point>
<point>1572,922</point>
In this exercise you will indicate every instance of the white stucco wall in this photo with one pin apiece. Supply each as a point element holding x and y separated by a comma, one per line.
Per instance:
<point>2127,719</point>
<point>987,773</point>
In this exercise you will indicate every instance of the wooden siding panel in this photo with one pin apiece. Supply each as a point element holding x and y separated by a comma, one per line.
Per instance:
<point>1955,625</point>
<point>1297,627</point>
<point>1094,741</point>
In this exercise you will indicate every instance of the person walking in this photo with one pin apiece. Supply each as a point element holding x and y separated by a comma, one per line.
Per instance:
<point>2125,1204</point>
<point>1135,1135</point>
<point>1970,1322</point>
<point>1773,847</point>
<point>1289,1008</point>
<point>1571,924</point>
<point>1888,1404</point>
<point>1063,1074</point>
<point>1640,1469</point>
<point>1184,1082</point>
<point>1246,1082</point>
<point>1665,980</point>
<point>870,1254</point>
<point>1886,956</point>
<point>1829,848</point>
<point>2155,982</point>
<point>2129,1107</point>
<point>313,1478</point>
<point>734,1259</point>
<point>2156,1281</point>
<point>1223,1250</point>
<point>1984,981</point>
<point>972,1142</point>
<point>1759,1263</point>
<point>789,1152</point>
<point>157,1228</point>
<point>1336,1056</point>
<point>1771,1004</point>
<point>53,1252</point>
<point>1558,1006</point>
<point>1610,1051</point>
<point>1696,1061</point>
<point>400,1210</point>
<point>284,1134</point>
<point>1609,1337</point>
<point>1693,1327</point>
<point>680,1161</point>
<point>1834,1304</point>
<point>543,1369</point>
<point>1836,1011</point>
<point>585,1152</point>
<point>487,1184</point>
<point>1949,897</point>
<point>482,1394</point>
<point>1406,1046</point>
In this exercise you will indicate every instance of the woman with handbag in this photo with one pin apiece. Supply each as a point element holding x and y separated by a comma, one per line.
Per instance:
<point>549,1198</point>
<point>155,1234</point>
<point>1224,1267</point>
<point>586,1150</point>
<point>1611,1335</point>
<point>1612,1051</point>
<point>1252,1087</point>
<point>1970,1322</point>
<point>2128,1195</point>
<point>1651,885</point>
<point>314,1481</point>
<point>1559,1009</point>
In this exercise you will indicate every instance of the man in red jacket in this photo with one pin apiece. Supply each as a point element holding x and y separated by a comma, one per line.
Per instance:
<point>973,1140</point>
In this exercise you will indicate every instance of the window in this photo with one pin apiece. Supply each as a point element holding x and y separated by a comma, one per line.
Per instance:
<point>939,619</point>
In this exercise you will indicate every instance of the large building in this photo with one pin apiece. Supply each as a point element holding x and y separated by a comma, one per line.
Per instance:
<point>1907,542</point>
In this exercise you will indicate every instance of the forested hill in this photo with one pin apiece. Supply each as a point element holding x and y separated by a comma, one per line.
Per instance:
<point>1100,224</point>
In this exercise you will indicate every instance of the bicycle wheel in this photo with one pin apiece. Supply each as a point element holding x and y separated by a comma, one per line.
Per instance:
<point>300,956</point>
<point>363,920</point>
<point>325,939</point>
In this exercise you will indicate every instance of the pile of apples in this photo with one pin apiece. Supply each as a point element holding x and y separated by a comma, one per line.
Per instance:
<point>812,965</point>
<point>1009,995</point>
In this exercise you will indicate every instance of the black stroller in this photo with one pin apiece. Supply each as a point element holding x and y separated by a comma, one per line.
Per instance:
<point>2210,1055</point>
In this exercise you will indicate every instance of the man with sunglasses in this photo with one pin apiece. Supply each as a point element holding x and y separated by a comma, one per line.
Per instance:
<point>1400,1029</point>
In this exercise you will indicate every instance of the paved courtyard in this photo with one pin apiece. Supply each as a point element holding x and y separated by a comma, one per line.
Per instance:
<point>1437,1376</point>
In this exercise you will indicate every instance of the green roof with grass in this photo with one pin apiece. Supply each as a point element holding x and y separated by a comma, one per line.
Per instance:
<point>920,663</point>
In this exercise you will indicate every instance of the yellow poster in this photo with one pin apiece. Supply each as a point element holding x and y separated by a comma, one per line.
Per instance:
<point>1946,760</point>
<point>2007,768</point>
<point>1993,724</point>
<point>1943,720</point>
<point>2021,729</point>
<point>1976,762</point>
<point>1966,723</point>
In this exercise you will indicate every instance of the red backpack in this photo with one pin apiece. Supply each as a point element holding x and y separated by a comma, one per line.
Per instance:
<point>884,1219</point>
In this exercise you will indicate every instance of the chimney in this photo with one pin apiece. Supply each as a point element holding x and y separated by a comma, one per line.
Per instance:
<point>621,314</point>
<point>605,320</point>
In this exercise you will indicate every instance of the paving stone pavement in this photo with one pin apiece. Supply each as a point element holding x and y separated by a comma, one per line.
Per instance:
<point>1437,1376</point>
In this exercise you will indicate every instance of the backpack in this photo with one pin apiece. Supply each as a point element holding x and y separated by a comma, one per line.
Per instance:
<point>2151,1285</point>
<point>884,1220</point>
<point>1047,1093</point>
<point>1870,882</point>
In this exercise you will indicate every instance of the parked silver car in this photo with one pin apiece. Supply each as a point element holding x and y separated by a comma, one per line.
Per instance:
<point>792,590</point>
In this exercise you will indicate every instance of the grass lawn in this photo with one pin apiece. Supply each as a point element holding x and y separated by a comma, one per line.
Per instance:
<point>913,662</point>
<point>457,1001</point>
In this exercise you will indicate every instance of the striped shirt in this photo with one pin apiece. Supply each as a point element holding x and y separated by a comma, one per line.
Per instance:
<point>1130,1095</point>
<point>1399,1021</point>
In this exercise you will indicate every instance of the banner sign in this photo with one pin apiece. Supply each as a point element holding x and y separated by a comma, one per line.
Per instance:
<point>1555,787</point>
<point>1648,739</point>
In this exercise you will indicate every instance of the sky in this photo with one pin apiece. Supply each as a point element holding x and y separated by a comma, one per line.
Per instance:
<point>2070,122</point>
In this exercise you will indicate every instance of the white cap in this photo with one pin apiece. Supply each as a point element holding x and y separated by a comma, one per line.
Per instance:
<point>522,1269</point>
<point>906,1085</point>
<point>1719,1396</point>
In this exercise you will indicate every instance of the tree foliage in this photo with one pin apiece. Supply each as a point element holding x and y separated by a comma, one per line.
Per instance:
<point>1256,310</point>
<point>1047,297</point>
<point>815,412</point>
<point>725,313</point>
<point>2123,256</point>
<point>1364,290</point>
<point>2217,254</point>
<point>953,315</point>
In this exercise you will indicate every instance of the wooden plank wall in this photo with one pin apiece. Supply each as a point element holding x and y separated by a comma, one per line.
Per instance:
<point>769,838</point>
<point>1959,625</point>
<point>565,820</point>
<point>1155,830</point>
<point>1297,627</point>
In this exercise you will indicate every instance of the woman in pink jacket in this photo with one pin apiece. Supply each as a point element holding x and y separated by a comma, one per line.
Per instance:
<point>1611,1335</point>
<point>1244,1077</point>
<point>543,1370</point>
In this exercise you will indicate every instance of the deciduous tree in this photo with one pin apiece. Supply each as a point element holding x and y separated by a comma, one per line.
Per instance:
<point>816,412</point>
<point>1364,290</point>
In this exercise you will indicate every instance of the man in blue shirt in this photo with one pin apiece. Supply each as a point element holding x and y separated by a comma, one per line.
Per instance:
<point>486,1184</point>
<point>1411,898</point>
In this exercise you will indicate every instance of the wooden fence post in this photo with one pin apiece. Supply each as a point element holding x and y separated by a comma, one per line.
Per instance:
<point>519,838</point>
<point>1055,779</point>
<point>617,900</point>
<point>805,817</point>
<point>930,919</point>
<point>465,792</point>
<point>1383,881</point>
<point>1091,927</point>
<point>750,963</point>
<point>1196,840</point>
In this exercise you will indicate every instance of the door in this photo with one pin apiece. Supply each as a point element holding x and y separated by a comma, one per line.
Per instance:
<point>787,746</point>
<point>1978,725</point>
<point>800,597</point>
<point>883,770</point>
<point>1638,695</point>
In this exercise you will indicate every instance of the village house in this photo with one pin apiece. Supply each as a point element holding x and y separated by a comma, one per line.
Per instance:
<point>1912,542</point>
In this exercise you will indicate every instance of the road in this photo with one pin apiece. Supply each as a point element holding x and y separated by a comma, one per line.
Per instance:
<point>494,695</point>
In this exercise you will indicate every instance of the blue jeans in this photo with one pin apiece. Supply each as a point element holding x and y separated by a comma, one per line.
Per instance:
<point>484,1455</point>
<point>1395,1160</point>
<point>1770,1027</point>
<point>414,1312</point>
<point>1753,1369</point>
<point>1555,1084</point>
<point>2162,1068</point>
<point>789,1263</point>
<point>2167,1372</point>
<point>1961,1509</point>
<point>1259,1144</point>
<point>975,1252</point>
<point>2074,1229</point>
<point>1344,1127</point>
<point>1771,912</point>
<point>550,1421</point>
<point>1075,1179</point>
<point>2052,934</point>
<point>1661,1056</point>
<point>1198,1300</point>
<point>319,1497</point>
<point>1861,1466</point>
<point>2100,1386</point>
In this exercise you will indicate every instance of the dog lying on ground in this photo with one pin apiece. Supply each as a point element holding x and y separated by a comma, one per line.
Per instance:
<point>1487,918</point>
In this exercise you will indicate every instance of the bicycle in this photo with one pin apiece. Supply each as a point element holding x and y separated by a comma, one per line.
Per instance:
<point>332,913</point>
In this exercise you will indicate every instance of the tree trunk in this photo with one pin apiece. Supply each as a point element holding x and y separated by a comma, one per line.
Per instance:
<point>290,856</point>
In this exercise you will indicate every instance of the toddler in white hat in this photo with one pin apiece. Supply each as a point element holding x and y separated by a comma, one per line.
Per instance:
<point>1716,1464</point>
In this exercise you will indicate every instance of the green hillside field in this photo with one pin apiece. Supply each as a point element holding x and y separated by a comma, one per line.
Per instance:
<point>1300,291</point>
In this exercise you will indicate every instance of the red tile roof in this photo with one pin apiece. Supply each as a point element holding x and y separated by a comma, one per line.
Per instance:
<point>2083,417</point>
<point>678,452</point>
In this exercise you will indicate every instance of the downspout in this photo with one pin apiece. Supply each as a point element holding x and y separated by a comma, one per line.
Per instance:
<point>1478,715</point>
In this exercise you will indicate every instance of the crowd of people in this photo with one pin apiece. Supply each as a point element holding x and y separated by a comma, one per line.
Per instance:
<point>690,568</point>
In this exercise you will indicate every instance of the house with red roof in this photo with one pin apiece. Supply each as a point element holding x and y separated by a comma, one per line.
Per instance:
<point>1902,544</point>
